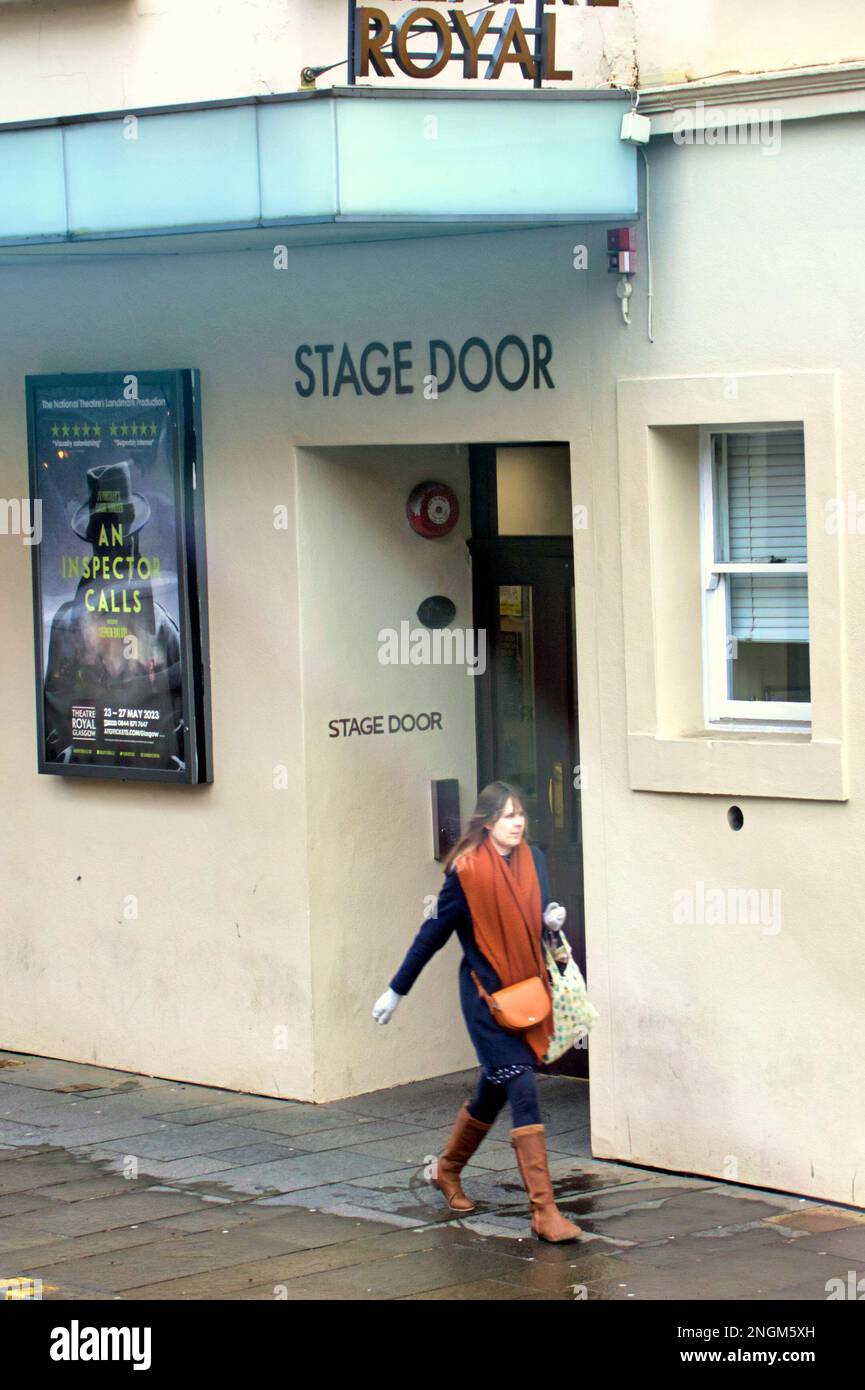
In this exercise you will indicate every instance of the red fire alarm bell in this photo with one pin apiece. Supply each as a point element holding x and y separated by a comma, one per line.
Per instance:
<point>433,510</point>
<point>622,250</point>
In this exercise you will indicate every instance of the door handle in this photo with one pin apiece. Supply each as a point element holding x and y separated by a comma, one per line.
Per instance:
<point>555,797</point>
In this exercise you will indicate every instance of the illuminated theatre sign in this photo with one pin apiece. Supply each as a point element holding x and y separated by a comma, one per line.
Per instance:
<point>484,40</point>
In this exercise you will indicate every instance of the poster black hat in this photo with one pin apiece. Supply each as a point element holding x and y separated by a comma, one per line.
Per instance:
<point>110,500</point>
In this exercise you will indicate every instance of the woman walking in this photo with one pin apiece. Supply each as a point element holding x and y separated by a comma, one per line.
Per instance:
<point>496,897</point>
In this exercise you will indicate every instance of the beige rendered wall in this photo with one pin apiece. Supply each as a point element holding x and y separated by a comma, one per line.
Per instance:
<point>372,873</point>
<point>721,1050</point>
<point>101,55</point>
<point>211,980</point>
<point>234,965</point>
<point>731,1045</point>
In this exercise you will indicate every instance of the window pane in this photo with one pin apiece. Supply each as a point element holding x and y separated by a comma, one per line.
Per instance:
<point>515,691</point>
<point>766,496</point>
<point>764,608</point>
<point>768,624</point>
<point>769,671</point>
<point>533,487</point>
<point>760,511</point>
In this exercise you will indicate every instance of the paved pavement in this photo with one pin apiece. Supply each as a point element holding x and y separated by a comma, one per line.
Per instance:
<point>117,1186</point>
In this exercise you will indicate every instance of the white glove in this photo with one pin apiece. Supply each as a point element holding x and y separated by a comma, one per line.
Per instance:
<point>554,916</point>
<point>384,1007</point>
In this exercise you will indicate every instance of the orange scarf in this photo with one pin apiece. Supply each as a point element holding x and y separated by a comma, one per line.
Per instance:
<point>505,905</point>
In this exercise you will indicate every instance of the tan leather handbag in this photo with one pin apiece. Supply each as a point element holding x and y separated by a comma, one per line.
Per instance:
<point>517,1007</point>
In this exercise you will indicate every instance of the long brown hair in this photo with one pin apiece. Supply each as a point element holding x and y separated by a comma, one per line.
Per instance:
<point>490,804</point>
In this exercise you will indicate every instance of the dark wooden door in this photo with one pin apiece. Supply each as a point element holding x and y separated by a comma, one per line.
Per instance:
<point>527,709</point>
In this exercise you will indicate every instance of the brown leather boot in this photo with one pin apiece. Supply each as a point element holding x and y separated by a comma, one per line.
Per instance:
<point>465,1137</point>
<point>547,1221</point>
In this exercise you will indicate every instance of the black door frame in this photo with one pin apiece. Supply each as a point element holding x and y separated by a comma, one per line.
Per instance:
<point>485,544</point>
<point>491,554</point>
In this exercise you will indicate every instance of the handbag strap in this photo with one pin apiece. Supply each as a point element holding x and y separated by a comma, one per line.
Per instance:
<point>563,943</point>
<point>487,998</point>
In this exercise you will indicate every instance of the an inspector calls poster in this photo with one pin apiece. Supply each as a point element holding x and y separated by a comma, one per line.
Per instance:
<point>117,650</point>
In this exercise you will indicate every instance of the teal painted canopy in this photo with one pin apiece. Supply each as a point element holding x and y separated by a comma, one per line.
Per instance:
<point>356,156</point>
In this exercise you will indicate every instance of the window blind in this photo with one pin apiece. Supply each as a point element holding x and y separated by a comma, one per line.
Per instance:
<point>766,523</point>
<point>766,496</point>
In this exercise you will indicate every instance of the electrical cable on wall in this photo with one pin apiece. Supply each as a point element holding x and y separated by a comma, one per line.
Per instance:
<point>650,325</point>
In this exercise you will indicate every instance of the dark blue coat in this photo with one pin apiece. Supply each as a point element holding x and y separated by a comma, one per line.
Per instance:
<point>494,1047</point>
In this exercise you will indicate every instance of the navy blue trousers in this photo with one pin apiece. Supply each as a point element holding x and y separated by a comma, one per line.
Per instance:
<point>521,1091</point>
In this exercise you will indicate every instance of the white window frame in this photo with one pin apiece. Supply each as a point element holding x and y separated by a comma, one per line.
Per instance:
<point>721,712</point>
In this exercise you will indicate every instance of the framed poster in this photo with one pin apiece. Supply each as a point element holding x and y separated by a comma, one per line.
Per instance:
<point>120,576</point>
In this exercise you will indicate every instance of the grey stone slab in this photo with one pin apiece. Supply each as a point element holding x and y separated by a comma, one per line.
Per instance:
<point>13,1203</point>
<point>421,1206</point>
<point>349,1136</point>
<point>17,1136</point>
<point>339,1272</point>
<point>176,1104</point>
<point>759,1250</point>
<point>305,1119</point>
<point>817,1289</point>
<point>171,1141</point>
<point>302,1170</point>
<point>30,1174</point>
<point>498,1222</point>
<point>415,1272</point>
<point>341,1199</point>
<point>850,1241</point>
<point>573,1267</point>
<point>163,1106</point>
<point>571,1141</point>
<point>393,1179</point>
<point>54,1250</point>
<point>724,1279</point>
<point>280,1268</point>
<point>102,1214</point>
<point>246,1154</point>
<point>683,1215</point>
<point>47,1073</point>
<point>86,1188</point>
<point>315,1227</point>
<point>176,1256</point>
<point>785,1201</point>
<point>172,1169</point>
<point>70,1294</point>
<point>238,1109</point>
<point>100,1131</point>
<point>14,1125</point>
<point>220,1216</point>
<point>623,1199</point>
<point>450,1088</point>
<point>26,1103</point>
<point>564,1104</point>
<point>15,1243</point>
<point>417,1147</point>
<point>483,1290</point>
<point>213,1253</point>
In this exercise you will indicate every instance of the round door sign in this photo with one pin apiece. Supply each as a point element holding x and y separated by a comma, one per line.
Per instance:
<point>433,510</point>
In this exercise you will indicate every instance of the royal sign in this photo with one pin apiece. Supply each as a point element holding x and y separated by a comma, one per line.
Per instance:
<point>485,42</point>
